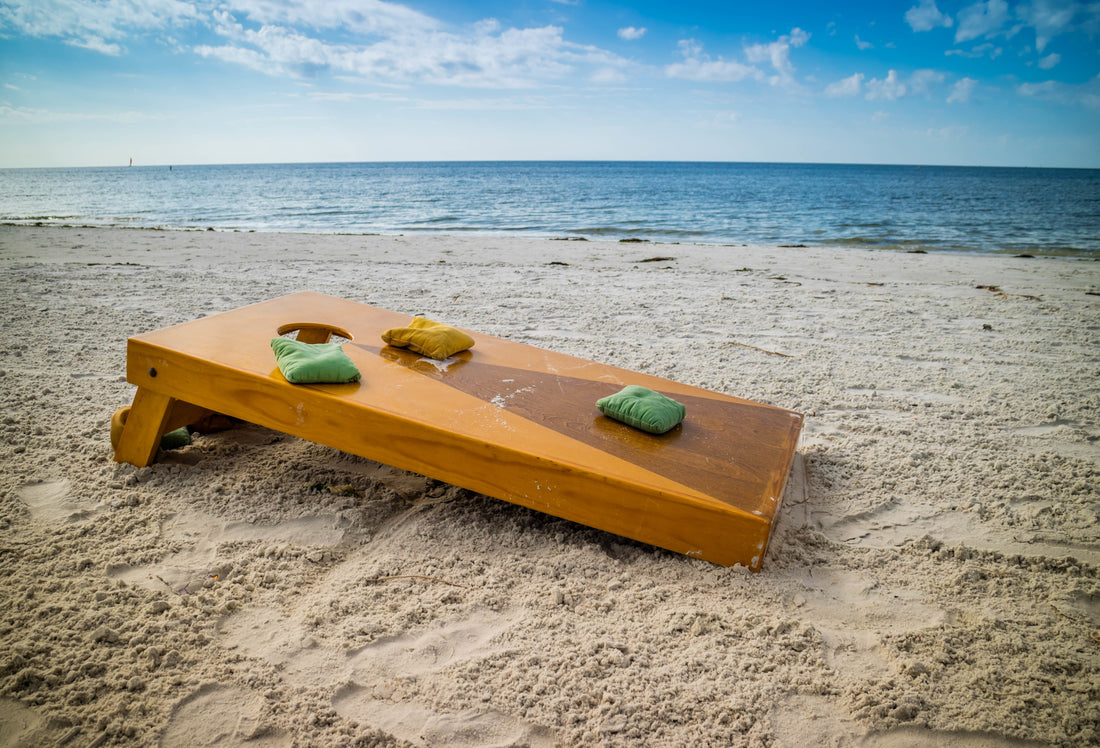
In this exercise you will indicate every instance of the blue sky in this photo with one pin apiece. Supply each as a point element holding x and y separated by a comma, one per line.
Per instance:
<point>996,82</point>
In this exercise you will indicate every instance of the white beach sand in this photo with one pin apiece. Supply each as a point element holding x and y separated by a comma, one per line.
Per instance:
<point>932,579</point>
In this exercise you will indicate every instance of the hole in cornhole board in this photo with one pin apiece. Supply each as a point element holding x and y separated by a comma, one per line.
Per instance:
<point>315,332</point>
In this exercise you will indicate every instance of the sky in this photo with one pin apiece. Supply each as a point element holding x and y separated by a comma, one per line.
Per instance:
<point>990,83</point>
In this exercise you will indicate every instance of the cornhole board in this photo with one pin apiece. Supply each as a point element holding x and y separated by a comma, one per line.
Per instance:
<point>505,419</point>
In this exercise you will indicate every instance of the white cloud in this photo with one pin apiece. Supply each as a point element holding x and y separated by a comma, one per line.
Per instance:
<point>1046,63</point>
<point>490,104</point>
<point>921,80</point>
<point>249,58</point>
<point>275,50</point>
<point>1086,94</point>
<point>93,25</point>
<point>345,96</point>
<point>1049,18</point>
<point>630,33</point>
<point>487,26</point>
<point>890,88</point>
<point>1045,89</point>
<point>515,57</point>
<point>608,75</point>
<point>862,44</point>
<point>926,16</point>
<point>360,16</point>
<point>385,42</point>
<point>698,66</point>
<point>27,116</point>
<point>961,91</point>
<point>95,44</point>
<point>981,19</point>
<point>482,55</point>
<point>778,54</point>
<point>981,50</point>
<point>849,86</point>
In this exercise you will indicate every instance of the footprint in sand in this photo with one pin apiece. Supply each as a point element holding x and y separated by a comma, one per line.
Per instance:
<point>421,726</point>
<point>894,524</point>
<point>421,655</point>
<point>852,614</point>
<point>365,675</point>
<point>24,727</point>
<point>280,639</point>
<point>1065,438</point>
<point>221,716</point>
<point>431,650</point>
<point>805,719</point>
<point>1080,606</point>
<point>200,534</point>
<point>49,501</point>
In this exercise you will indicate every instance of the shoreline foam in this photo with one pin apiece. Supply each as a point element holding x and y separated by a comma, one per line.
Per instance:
<point>933,576</point>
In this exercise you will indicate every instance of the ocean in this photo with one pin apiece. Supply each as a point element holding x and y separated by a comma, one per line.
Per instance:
<point>929,208</point>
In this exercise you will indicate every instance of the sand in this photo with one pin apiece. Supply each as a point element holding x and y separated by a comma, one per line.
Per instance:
<point>932,577</point>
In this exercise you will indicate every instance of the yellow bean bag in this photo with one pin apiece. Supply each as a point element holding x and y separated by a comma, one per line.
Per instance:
<point>428,338</point>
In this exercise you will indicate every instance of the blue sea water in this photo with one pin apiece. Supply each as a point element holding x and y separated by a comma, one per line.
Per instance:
<point>953,208</point>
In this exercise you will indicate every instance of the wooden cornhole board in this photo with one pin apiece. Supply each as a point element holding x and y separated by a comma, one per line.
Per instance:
<point>504,419</point>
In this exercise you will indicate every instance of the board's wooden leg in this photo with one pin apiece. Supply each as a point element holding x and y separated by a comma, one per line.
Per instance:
<point>145,424</point>
<point>185,414</point>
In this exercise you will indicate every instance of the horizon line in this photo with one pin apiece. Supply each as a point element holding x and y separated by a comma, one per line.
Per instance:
<point>548,161</point>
